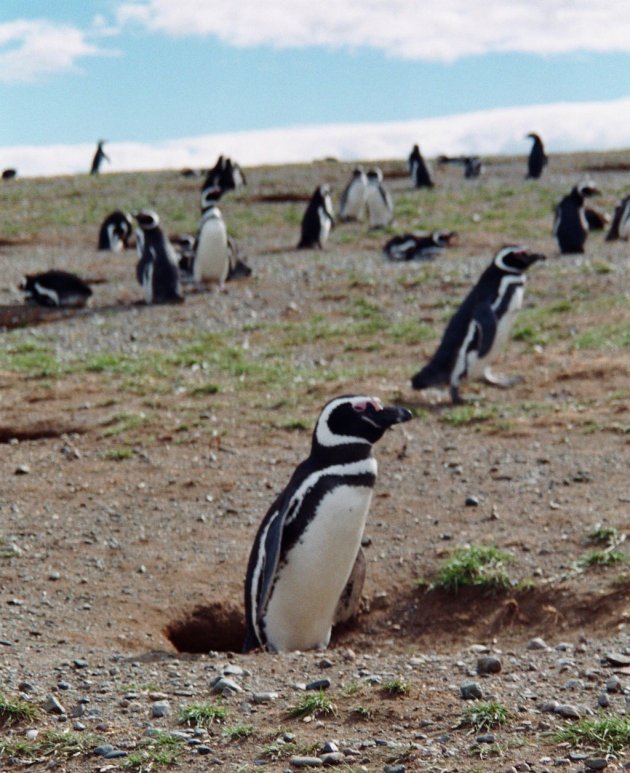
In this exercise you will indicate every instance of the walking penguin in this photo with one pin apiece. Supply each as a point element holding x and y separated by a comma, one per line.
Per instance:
<point>99,157</point>
<point>480,327</point>
<point>537,158</point>
<point>307,544</point>
<point>570,225</point>
<point>318,219</point>
<point>157,270</point>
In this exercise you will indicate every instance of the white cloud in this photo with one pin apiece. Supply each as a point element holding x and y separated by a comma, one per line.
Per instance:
<point>564,127</point>
<point>31,48</point>
<point>441,30</point>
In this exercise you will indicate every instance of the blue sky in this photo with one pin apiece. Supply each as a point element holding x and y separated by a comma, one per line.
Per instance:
<point>146,71</point>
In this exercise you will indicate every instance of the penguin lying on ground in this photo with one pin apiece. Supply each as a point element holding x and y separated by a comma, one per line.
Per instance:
<point>620,226</point>
<point>353,198</point>
<point>307,544</point>
<point>56,288</point>
<point>537,159</point>
<point>473,166</point>
<point>157,270</point>
<point>480,327</point>
<point>418,171</point>
<point>570,225</point>
<point>415,247</point>
<point>115,232</point>
<point>379,202</point>
<point>318,219</point>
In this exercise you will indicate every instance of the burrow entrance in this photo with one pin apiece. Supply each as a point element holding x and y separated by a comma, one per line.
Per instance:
<point>216,627</point>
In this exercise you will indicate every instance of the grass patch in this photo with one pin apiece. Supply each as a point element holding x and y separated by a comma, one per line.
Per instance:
<point>50,743</point>
<point>156,751</point>
<point>603,558</point>
<point>316,704</point>
<point>605,734</point>
<point>202,714</point>
<point>238,732</point>
<point>362,713</point>
<point>484,715</point>
<point>15,710</point>
<point>395,687</point>
<point>279,749</point>
<point>614,335</point>
<point>603,535</point>
<point>124,422</point>
<point>119,454</point>
<point>476,565</point>
<point>462,415</point>
<point>205,389</point>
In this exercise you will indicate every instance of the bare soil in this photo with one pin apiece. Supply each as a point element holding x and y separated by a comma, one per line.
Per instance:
<point>136,564</point>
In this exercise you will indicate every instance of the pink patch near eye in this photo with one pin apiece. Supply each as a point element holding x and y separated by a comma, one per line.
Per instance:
<point>360,407</point>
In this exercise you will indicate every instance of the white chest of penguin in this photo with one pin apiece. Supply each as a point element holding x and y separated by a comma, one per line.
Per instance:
<point>504,324</point>
<point>308,586</point>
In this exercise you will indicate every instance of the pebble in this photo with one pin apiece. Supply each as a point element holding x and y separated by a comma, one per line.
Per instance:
<point>319,684</point>
<point>472,501</point>
<point>394,769</point>
<point>537,644</point>
<point>470,691</point>
<point>488,665</point>
<point>614,684</point>
<point>103,749</point>
<point>567,711</point>
<point>224,686</point>
<point>22,469</point>
<point>203,749</point>
<point>596,763</point>
<point>52,705</point>
<point>265,697</point>
<point>486,738</point>
<point>332,758</point>
<point>603,700</point>
<point>160,709</point>
<point>31,734</point>
<point>306,762</point>
<point>115,754</point>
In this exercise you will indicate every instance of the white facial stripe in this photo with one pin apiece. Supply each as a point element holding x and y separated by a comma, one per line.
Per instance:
<point>46,291</point>
<point>499,261</point>
<point>323,433</point>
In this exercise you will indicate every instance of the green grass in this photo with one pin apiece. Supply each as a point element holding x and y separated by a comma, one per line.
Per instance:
<point>362,713</point>
<point>611,336</point>
<point>603,558</point>
<point>603,535</point>
<point>474,566</point>
<point>238,732</point>
<point>395,687</point>
<point>202,714</point>
<point>15,710</point>
<point>50,743</point>
<point>604,734</point>
<point>124,422</point>
<point>315,704</point>
<point>154,752</point>
<point>119,454</point>
<point>484,715</point>
<point>279,750</point>
<point>463,415</point>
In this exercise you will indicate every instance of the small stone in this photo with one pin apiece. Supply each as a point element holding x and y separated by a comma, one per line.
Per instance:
<point>394,769</point>
<point>470,691</point>
<point>537,644</point>
<point>265,697</point>
<point>224,686</point>
<point>486,738</point>
<point>232,670</point>
<point>488,665</point>
<point>603,701</point>
<point>332,758</point>
<point>103,749</point>
<point>203,749</point>
<point>616,659</point>
<point>22,469</point>
<point>596,763</point>
<point>31,734</point>
<point>115,754</point>
<point>306,762</point>
<point>52,705</point>
<point>160,709</point>
<point>80,663</point>
<point>325,663</point>
<point>567,711</point>
<point>471,501</point>
<point>319,684</point>
<point>329,747</point>
<point>614,684</point>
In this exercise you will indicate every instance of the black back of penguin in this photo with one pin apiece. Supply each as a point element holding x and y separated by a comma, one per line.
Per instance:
<point>156,271</point>
<point>487,301</point>
<point>56,288</point>
<point>418,169</point>
<point>115,231</point>
<point>341,457</point>
<point>570,224</point>
<point>317,220</point>
<point>620,225</point>
<point>537,158</point>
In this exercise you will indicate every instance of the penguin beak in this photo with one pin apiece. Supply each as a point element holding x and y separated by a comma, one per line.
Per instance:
<point>390,415</point>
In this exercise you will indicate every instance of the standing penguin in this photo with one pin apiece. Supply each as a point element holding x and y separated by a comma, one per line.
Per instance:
<point>620,226</point>
<point>418,171</point>
<point>99,157</point>
<point>380,206</point>
<point>570,226</point>
<point>307,544</point>
<point>157,270</point>
<point>212,260</point>
<point>56,288</point>
<point>318,219</point>
<point>537,158</point>
<point>353,198</point>
<point>115,231</point>
<point>480,327</point>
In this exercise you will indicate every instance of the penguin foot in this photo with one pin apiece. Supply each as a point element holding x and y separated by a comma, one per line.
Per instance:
<point>502,382</point>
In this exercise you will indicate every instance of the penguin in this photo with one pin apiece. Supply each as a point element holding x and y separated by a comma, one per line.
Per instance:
<point>473,165</point>
<point>596,220</point>
<point>211,262</point>
<point>56,288</point>
<point>418,171</point>
<point>620,226</point>
<point>537,158</point>
<point>570,225</point>
<point>184,245</point>
<point>308,542</point>
<point>157,270</point>
<point>115,232</point>
<point>353,198</point>
<point>239,269</point>
<point>413,247</point>
<point>225,175</point>
<point>379,202</point>
<point>480,327</point>
<point>318,219</point>
<point>9,174</point>
<point>99,157</point>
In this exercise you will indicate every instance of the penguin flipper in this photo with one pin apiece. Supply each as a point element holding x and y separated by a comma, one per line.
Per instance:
<point>486,320</point>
